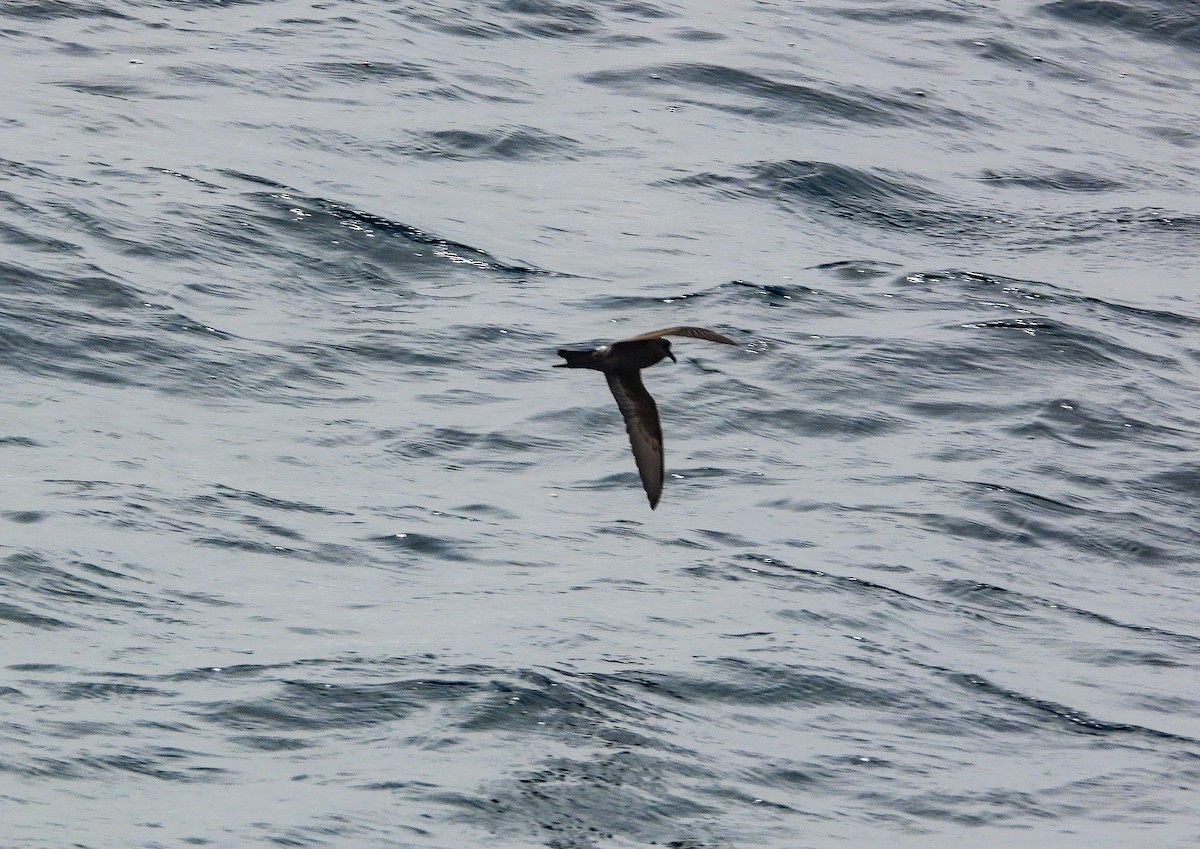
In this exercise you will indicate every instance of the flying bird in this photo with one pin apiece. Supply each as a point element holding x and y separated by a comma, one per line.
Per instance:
<point>622,363</point>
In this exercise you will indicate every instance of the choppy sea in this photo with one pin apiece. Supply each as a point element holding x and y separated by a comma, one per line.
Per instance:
<point>304,543</point>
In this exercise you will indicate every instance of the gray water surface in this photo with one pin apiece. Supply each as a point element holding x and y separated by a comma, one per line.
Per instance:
<point>303,542</point>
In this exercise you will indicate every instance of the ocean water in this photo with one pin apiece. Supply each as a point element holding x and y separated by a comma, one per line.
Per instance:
<point>303,542</point>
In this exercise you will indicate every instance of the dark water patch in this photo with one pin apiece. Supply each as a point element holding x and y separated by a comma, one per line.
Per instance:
<point>648,302</point>
<point>859,269</point>
<point>577,803</point>
<point>374,71</point>
<point>42,768</point>
<point>331,705</point>
<point>335,554</point>
<point>1069,718</point>
<point>270,743</point>
<point>257,499</point>
<point>334,249</point>
<point>86,590</point>
<point>255,179</point>
<point>272,529</point>
<point>991,285</point>
<point>284,82</point>
<point>123,506</point>
<point>19,615</point>
<point>725,538</point>
<point>1075,424</point>
<point>1187,643</point>
<point>961,411</point>
<point>835,185</point>
<point>100,291</point>
<point>230,542</point>
<point>19,443</point>
<point>200,598</point>
<point>1166,321</point>
<point>485,512</point>
<point>809,422</point>
<point>206,5</point>
<point>24,517</point>
<point>80,729</point>
<point>63,299</point>
<point>1071,310</point>
<point>739,681</point>
<point>578,708</point>
<point>779,296</point>
<point>541,19</point>
<point>510,19</point>
<point>415,359</point>
<point>1057,181</point>
<point>1050,325</point>
<point>1175,135</point>
<point>1153,225</point>
<point>49,10</point>
<point>838,189</point>
<point>1110,657</point>
<point>1164,21</point>
<point>98,331</point>
<point>108,690</point>
<point>811,620</point>
<point>897,14</point>
<point>1013,56</point>
<point>1040,502</point>
<point>511,144</point>
<point>979,809</point>
<point>982,595</point>
<point>639,10</point>
<point>474,336</point>
<point>120,91</point>
<point>33,240</point>
<point>548,18</point>
<point>459,398</point>
<point>967,528</point>
<point>624,529</point>
<point>490,445</point>
<point>697,35</point>
<point>315,705</point>
<point>187,177</point>
<point>260,717</point>
<point>777,100</point>
<point>453,252</point>
<point>906,204</point>
<point>617,482</point>
<point>233,673</point>
<point>161,762</point>
<point>1180,485</point>
<point>41,176</point>
<point>802,579</point>
<point>426,547</point>
<point>40,667</point>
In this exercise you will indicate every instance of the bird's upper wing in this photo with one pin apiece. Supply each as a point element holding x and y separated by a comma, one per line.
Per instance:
<point>645,432</point>
<point>694,332</point>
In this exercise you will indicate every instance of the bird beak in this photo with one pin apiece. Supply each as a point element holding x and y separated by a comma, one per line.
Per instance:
<point>672,356</point>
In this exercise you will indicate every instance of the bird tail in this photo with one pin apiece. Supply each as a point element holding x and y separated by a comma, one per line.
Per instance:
<point>575,359</point>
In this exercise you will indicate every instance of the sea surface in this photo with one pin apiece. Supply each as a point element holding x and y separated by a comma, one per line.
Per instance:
<point>304,543</point>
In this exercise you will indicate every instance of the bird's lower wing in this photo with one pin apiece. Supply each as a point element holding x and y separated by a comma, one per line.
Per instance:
<point>645,431</point>
<point>693,332</point>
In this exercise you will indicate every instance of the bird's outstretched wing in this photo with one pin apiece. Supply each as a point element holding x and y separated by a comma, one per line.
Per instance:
<point>645,431</point>
<point>693,332</point>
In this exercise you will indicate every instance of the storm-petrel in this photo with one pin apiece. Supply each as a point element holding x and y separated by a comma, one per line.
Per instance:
<point>622,363</point>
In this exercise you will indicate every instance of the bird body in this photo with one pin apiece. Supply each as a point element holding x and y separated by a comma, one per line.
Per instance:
<point>622,363</point>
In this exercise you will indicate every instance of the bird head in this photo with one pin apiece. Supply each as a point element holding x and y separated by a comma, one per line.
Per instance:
<point>666,343</point>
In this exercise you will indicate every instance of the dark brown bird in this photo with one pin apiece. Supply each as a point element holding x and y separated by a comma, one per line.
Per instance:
<point>622,363</point>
